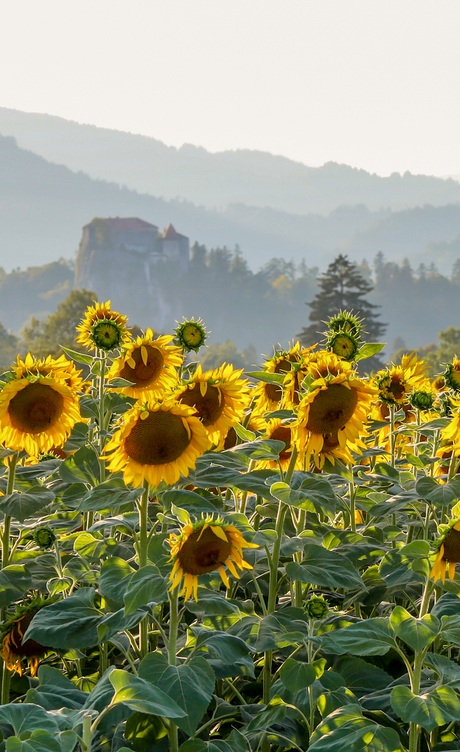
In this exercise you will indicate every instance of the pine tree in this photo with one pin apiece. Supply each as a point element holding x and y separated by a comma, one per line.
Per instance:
<point>342,287</point>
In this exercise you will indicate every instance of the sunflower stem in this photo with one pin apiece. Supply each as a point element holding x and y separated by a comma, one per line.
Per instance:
<point>101,437</point>
<point>7,519</point>
<point>143,542</point>
<point>352,499</point>
<point>86,733</point>
<point>452,464</point>
<point>391,408</point>
<point>173,596</point>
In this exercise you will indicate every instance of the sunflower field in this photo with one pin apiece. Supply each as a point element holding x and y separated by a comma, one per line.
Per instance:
<point>219,561</point>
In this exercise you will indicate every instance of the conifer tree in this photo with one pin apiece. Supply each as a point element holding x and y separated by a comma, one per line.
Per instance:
<point>342,288</point>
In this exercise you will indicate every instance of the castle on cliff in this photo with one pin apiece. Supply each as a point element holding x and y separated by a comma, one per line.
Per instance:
<point>119,258</point>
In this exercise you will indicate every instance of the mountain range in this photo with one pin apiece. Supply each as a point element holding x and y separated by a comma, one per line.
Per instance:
<point>57,175</point>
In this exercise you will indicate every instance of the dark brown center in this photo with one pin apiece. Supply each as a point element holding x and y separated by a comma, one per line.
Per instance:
<point>144,374</point>
<point>452,546</point>
<point>160,438</point>
<point>35,408</point>
<point>204,555</point>
<point>331,409</point>
<point>283,433</point>
<point>208,406</point>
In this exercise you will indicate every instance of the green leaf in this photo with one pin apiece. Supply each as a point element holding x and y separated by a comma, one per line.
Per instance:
<point>447,670</point>
<point>188,500</point>
<point>324,568</point>
<point>347,729</point>
<point>450,629</point>
<point>141,695</point>
<point>268,378</point>
<point>21,506</point>
<point>417,633</point>
<point>27,717</point>
<point>361,677</point>
<point>119,383</point>
<point>244,433</point>
<point>369,637</point>
<point>114,577</point>
<point>78,356</point>
<point>296,675</point>
<point>145,586</point>
<point>81,467</point>
<point>440,494</point>
<point>107,495</point>
<point>368,350</point>
<point>434,709</point>
<point>15,580</point>
<point>229,655</point>
<point>70,623</point>
<point>191,685</point>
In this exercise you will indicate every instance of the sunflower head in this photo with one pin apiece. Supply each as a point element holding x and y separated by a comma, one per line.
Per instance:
<point>346,322</point>
<point>452,375</point>
<point>204,547</point>
<point>14,649</point>
<point>38,409</point>
<point>157,441</point>
<point>439,384</point>
<point>102,328</point>
<point>150,364</point>
<point>422,400</point>
<point>344,344</point>
<point>60,369</point>
<point>44,537</point>
<point>190,335</point>
<point>317,607</point>
<point>448,551</point>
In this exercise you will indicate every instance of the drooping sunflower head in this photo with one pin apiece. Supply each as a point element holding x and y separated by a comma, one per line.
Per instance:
<point>439,384</point>
<point>14,648</point>
<point>219,398</point>
<point>190,335</point>
<point>204,547</point>
<point>37,411</point>
<point>335,409</point>
<point>157,441</point>
<point>396,383</point>
<point>269,395</point>
<point>452,375</point>
<point>448,551</point>
<point>103,329</point>
<point>346,322</point>
<point>150,363</point>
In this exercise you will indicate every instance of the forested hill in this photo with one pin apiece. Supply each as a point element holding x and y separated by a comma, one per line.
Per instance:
<point>216,180</point>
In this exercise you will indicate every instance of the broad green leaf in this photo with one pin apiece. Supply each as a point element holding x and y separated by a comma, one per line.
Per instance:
<point>21,506</point>
<point>369,637</point>
<point>141,695</point>
<point>347,729</point>
<point>436,708</point>
<point>228,655</point>
<point>417,633</point>
<point>114,577</point>
<point>81,467</point>
<point>268,378</point>
<point>78,356</point>
<point>107,495</point>
<point>396,569</point>
<point>261,449</point>
<point>188,500</point>
<point>324,568</point>
<point>450,629</point>
<point>296,675</point>
<point>70,623</point>
<point>448,671</point>
<point>145,586</point>
<point>361,677</point>
<point>15,580</point>
<point>369,349</point>
<point>198,745</point>
<point>191,685</point>
<point>440,494</point>
<point>27,717</point>
<point>281,629</point>
<point>244,433</point>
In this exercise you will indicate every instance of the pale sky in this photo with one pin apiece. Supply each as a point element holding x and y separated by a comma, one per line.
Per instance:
<point>370,83</point>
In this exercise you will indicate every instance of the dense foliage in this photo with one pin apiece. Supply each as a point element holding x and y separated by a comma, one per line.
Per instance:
<point>193,560</point>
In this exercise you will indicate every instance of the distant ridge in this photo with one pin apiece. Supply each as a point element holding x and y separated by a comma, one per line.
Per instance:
<point>254,178</point>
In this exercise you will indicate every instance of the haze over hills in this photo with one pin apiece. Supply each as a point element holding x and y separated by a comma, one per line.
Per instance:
<point>247,177</point>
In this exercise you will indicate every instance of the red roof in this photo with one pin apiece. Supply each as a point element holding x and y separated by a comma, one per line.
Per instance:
<point>130,223</point>
<point>171,234</point>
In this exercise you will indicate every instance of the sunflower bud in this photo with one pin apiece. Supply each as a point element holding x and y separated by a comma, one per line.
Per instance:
<point>190,335</point>
<point>346,322</point>
<point>344,344</point>
<point>421,400</point>
<point>44,537</point>
<point>316,607</point>
<point>452,375</point>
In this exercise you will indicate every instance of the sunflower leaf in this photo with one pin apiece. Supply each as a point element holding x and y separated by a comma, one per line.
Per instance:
<point>78,356</point>
<point>139,694</point>
<point>21,506</point>
<point>429,710</point>
<point>324,568</point>
<point>369,349</point>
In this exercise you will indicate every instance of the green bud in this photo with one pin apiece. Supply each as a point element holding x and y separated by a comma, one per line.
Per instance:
<point>421,400</point>
<point>44,537</point>
<point>316,607</point>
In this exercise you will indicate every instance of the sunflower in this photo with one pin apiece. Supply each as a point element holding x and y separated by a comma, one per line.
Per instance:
<point>60,368</point>
<point>346,322</point>
<point>396,383</point>
<point>336,408</point>
<point>439,384</point>
<point>332,450</point>
<point>452,375</point>
<point>324,364</point>
<point>443,466</point>
<point>37,410</point>
<point>150,363</point>
<point>448,552</point>
<point>268,396</point>
<point>451,433</point>
<point>158,441</point>
<point>204,547</point>
<point>279,430</point>
<point>12,633</point>
<point>190,335</point>
<point>103,329</point>
<point>219,398</point>
<point>344,344</point>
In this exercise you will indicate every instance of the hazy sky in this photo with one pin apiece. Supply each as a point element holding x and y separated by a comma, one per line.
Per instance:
<point>370,83</point>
